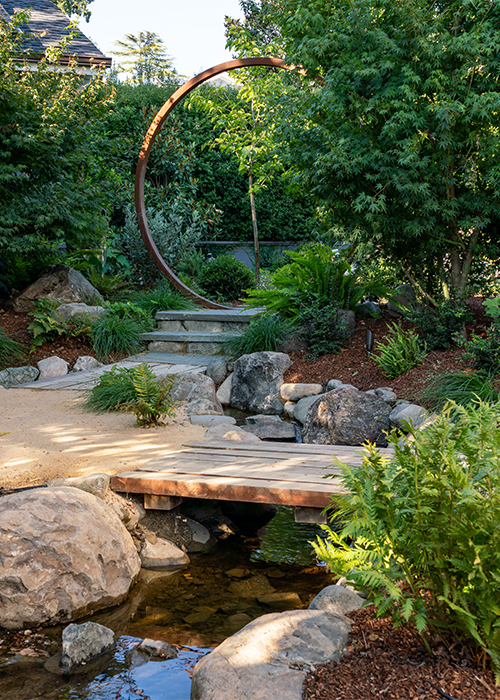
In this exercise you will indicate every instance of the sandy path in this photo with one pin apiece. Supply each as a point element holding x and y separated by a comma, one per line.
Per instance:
<point>47,435</point>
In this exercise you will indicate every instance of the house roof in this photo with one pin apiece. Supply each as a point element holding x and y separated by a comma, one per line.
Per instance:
<point>48,19</point>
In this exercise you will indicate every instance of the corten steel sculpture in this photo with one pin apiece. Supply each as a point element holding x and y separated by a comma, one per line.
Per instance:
<point>148,142</point>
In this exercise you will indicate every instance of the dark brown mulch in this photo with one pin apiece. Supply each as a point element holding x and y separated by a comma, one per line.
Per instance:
<point>382,662</point>
<point>352,366</point>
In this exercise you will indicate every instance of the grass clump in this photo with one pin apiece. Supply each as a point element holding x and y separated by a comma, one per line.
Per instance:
<point>422,530</point>
<point>400,352</point>
<point>162,298</point>
<point>264,333</point>
<point>135,390</point>
<point>115,334</point>
<point>10,350</point>
<point>463,388</point>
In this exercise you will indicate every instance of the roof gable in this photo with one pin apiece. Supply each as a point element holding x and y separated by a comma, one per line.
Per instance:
<point>46,17</point>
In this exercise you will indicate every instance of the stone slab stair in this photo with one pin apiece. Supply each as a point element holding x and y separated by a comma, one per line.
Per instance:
<point>201,332</point>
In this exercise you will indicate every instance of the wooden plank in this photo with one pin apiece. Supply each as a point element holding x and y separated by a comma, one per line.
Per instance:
<point>228,489</point>
<point>195,458</point>
<point>294,448</point>
<point>346,457</point>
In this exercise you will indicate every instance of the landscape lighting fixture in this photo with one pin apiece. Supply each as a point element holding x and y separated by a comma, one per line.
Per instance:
<point>368,342</point>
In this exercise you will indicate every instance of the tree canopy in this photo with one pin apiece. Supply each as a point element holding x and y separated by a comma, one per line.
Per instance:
<point>145,59</point>
<point>75,8</point>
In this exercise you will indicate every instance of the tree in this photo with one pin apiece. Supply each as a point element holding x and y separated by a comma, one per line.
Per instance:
<point>56,184</point>
<point>400,140</point>
<point>146,59</point>
<point>76,8</point>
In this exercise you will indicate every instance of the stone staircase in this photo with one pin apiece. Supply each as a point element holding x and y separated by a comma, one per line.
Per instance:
<point>201,332</point>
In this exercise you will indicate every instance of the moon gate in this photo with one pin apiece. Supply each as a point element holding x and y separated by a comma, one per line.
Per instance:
<point>140,173</point>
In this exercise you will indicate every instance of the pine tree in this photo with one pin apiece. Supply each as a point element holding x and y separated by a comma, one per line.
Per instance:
<point>146,60</point>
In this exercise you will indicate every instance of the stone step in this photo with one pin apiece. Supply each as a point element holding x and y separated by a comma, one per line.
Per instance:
<point>190,342</point>
<point>205,320</point>
<point>215,366</point>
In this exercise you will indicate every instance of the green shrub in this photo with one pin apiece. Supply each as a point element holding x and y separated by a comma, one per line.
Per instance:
<point>264,333</point>
<point>400,352</point>
<point>483,352</point>
<point>10,350</point>
<point>225,278</point>
<point>191,263</point>
<point>133,389</point>
<point>322,328</point>
<point>47,322</point>
<point>117,334</point>
<point>316,275</point>
<point>463,388</point>
<point>161,298</point>
<point>439,327</point>
<point>422,530</point>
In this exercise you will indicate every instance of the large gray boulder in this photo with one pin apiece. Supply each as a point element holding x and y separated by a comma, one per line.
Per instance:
<point>63,554</point>
<point>198,391</point>
<point>60,282</point>
<point>14,376</point>
<point>269,657</point>
<point>257,380</point>
<point>347,417</point>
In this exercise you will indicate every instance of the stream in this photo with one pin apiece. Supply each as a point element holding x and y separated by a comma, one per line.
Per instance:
<point>193,609</point>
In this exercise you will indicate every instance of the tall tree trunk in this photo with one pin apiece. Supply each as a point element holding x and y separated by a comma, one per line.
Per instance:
<point>254,227</point>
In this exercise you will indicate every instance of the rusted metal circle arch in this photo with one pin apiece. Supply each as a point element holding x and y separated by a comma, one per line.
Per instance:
<point>148,142</point>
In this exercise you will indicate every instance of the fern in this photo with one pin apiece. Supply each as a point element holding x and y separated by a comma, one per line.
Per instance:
<point>400,352</point>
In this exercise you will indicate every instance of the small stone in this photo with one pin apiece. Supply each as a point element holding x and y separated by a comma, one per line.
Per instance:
<point>294,392</point>
<point>80,643</point>
<point>207,421</point>
<point>162,555</point>
<point>289,408</point>
<point>302,407</point>
<point>272,430</point>
<point>235,623</point>
<point>253,420</point>
<point>52,367</point>
<point>404,414</point>
<point>334,384</point>
<point>200,615</point>
<point>86,362</point>
<point>281,600</point>
<point>237,573</point>
<point>251,588</point>
<point>224,391</point>
<point>157,649</point>
<point>230,433</point>
<point>386,394</point>
<point>15,376</point>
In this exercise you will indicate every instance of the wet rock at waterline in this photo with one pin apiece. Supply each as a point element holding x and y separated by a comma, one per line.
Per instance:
<point>80,643</point>
<point>96,484</point>
<point>336,599</point>
<point>270,656</point>
<point>162,555</point>
<point>156,649</point>
<point>185,533</point>
<point>14,376</point>
<point>257,380</point>
<point>63,554</point>
<point>347,417</point>
<point>253,587</point>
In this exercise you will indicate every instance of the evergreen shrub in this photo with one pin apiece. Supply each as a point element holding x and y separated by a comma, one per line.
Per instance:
<point>225,278</point>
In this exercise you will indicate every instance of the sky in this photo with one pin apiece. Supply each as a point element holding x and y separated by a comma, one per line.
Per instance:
<point>192,30</point>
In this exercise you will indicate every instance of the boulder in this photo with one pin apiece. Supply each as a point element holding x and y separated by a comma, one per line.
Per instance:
<point>157,649</point>
<point>59,282</point>
<point>368,309</point>
<point>129,512</point>
<point>336,599</point>
<point>269,657</point>
<point>260,418</point>
<point>224,391</point>
<point>407,413</point>
<point>216,368</point>
<point>230,432</point>
<point>67,311</point>
<point>294,392</point>
<point>348,320</point>
<point>14,376</point>
<point>162,555</point>
<point>302,407</point>
<point>386,394</point>
<point>271,430</point>
<point>52,367</point>
<point>293,343</point>
<point>289,408</point>
<point>334,384</point>
<point>347,417</point>
<point>63,554</point>
<point>86,362</point>
<point>96,484</point>
<point>80,643</point>
<point>198,391</point>
<point>207,421</point>
<point>257,380</point>
<point>404,299</point>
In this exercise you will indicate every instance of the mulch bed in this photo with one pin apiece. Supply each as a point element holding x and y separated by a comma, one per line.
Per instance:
<point>382,662</point>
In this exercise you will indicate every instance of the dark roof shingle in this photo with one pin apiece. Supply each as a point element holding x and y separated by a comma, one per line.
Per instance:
<point>46,18</point>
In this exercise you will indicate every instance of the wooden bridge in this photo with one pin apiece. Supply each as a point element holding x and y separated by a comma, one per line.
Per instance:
<point>279,473</point>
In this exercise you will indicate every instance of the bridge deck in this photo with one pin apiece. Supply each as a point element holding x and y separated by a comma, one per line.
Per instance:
<point>283,474</point>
